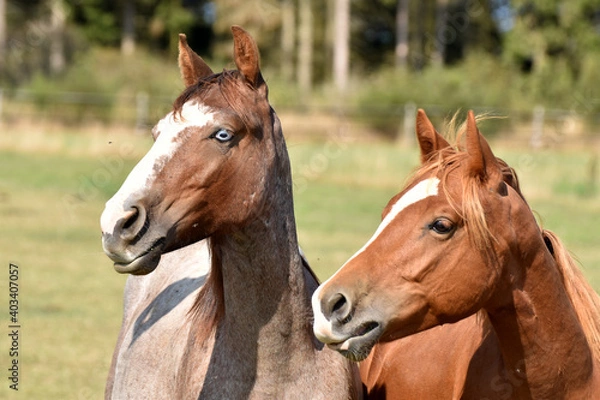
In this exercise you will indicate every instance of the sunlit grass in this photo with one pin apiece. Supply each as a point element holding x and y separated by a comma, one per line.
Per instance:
<point>51,198</point>
<point>70,298</point>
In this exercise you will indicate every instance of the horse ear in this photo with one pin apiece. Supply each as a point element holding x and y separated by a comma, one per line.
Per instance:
<point>482,163</point>
<point>191,65</point>
<point>246,56</point>
<point>429,139</point>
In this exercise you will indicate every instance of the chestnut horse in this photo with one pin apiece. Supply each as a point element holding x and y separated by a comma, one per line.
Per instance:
<point>460,240</point>
<point>227,317</point>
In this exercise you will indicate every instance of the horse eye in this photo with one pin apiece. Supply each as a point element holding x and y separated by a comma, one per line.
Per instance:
<point>442,226</point>
<point>223,135</point>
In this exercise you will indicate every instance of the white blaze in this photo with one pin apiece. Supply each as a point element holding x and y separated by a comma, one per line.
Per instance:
<point>424,189</point>
<point>143,174</point>
<point>421,191</point>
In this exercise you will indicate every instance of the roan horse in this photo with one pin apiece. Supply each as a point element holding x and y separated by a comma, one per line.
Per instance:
<point>218,170</point>
<point>458,241</point>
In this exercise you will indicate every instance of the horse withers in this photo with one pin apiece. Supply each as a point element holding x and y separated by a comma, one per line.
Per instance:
<point>235,320</point>
<point>461,241</point>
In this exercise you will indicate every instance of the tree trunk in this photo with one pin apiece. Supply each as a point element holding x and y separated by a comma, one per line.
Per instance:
<point>288,38</point>
<point>402,30</point>
<point>419,54</point>
<point>57,46</point>
<point>128,33</point>
<point>305,48</point>
<point>439,50</point>
<point>2,34</point>
<point>341,44</point>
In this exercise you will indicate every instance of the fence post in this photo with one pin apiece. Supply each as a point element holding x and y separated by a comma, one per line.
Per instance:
<point>537,127</point>
<point>408,125</point>
<point>593,173</point>
<point>142,101</point>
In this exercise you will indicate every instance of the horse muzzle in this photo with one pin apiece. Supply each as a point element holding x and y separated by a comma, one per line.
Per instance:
<point>128,240</point>
<point>338,325</point>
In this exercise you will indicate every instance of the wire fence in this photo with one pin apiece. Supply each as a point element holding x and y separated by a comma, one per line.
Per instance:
<point>77,108</point>
<point>538,126</point>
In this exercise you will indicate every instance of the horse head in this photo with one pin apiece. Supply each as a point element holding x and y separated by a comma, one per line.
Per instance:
<point>209,168</point>
<point>439,253</point>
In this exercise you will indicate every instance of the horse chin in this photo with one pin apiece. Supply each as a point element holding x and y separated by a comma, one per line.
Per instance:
<point>358,346</point>
<point>144,263</point>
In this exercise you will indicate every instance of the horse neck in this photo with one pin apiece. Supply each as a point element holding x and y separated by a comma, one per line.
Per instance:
<point>261,268</point>
<point>544,346</point>
<point>266,299</point>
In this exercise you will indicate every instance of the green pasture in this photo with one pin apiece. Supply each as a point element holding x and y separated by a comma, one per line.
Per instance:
<point>70,298</point>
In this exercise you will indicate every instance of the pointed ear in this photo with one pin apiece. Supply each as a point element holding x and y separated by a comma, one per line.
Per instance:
<point>246,56</point>
<point>429,139</point>
<point>482,163</point>
<point>191,65</point>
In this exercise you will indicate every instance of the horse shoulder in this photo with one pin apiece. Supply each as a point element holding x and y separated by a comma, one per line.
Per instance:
<point>156,324</point>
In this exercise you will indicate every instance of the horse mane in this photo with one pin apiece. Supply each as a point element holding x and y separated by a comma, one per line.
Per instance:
<point>209,306</point>
<point>449,159</point>
<point>200,87</point>
<point>584,299</point>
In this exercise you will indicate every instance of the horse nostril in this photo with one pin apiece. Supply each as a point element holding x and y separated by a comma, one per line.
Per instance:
<point>133,223</point>
<point>339,303</point>
<point>130,218</point>
<point>339,308</point>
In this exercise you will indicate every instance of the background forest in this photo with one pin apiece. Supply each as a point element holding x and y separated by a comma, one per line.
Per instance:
<point>507,56</point>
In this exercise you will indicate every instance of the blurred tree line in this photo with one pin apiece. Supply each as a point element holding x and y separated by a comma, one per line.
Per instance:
<point>539,49</point>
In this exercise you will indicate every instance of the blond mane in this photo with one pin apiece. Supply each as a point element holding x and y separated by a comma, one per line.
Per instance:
<point>584,299</point>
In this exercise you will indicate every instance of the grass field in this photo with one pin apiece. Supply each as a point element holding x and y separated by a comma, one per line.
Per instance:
<point>53,188</point>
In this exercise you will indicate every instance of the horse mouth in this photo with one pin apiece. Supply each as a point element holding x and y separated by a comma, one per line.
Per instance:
<point>144,263</point>
<point>358,346</point>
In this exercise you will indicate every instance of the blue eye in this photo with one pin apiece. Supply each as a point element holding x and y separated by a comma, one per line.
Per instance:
<point>223,135</point>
